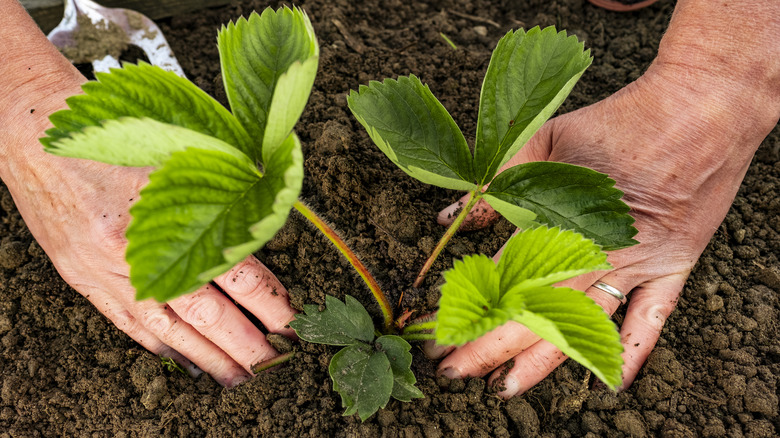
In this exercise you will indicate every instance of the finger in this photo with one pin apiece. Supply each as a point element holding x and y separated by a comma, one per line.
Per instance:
<point>483,355</point>
<point>432,350</point>
<point>649,307</point>
<point>166,325</point>
<point>480,216</point>
<point>125,321</point>
<point>530,367</point>
<point>215,317</point>
<point>258,290</point>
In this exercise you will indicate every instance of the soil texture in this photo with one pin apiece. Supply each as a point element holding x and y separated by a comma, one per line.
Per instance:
<point>66,371</point>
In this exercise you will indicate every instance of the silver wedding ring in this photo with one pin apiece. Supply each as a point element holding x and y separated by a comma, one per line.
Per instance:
<point>611,290</point>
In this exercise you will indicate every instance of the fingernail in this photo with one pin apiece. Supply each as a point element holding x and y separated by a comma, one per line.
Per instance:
<point>447,215</point>
<point>450,373</point>
<point>511,386</point>
<point>238,380</point>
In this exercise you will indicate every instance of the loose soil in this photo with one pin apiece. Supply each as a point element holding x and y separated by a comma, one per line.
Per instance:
<point>66,371</point>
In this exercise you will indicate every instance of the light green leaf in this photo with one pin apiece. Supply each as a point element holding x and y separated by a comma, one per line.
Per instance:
<point>135,142</point>
<point>268,66</point>
<point>529,76</point>
<point>397,351</point>
<point>544,256</point>
<point>415,131</point>
<point>146,91</point>
<point>469,301</point>
<point>339,324</point>
<point>577,326</point>
<point>478,297</point>
<point>363,377</point>
<point>197,203</point>
<point>566,196</point>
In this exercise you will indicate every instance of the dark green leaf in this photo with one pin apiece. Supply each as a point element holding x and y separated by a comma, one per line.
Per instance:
<point>339,324</point>
<point>566,196</point>
<point>363,377</point>
<point>415,131</point>
<point>397,351</point>
<point>529,76</point>
<point>146,91</point>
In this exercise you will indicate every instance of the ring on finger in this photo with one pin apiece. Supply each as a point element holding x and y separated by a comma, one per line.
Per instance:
<point>604,287</point>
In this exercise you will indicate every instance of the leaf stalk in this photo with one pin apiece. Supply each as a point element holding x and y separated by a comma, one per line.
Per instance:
<point>346,251</point>
<point>475,196</point>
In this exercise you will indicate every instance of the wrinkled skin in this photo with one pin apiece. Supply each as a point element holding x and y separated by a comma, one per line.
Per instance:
<point>678,141</point>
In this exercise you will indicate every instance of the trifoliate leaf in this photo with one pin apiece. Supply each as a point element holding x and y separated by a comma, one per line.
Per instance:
<point>478,296</point>
<point>135,142</point>
<point>268,66</point>
<point>566,196</point>
<point>577,326</point>
<point>544,256</point>
<point>529,76</point>
<point>199,203</point>
<point>364,378</point>
<point>339,324</point>
<point>146,91</point>
<point>415,131</point>
<point>397,351</point>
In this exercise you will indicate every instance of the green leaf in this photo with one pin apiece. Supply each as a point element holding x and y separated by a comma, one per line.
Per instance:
<point>268,67</point>
<point>529,76</point>
<point>544,256</point>
<point>469,301</point>
<point>578,327</point>
<point>415,131</point>
<point>199,202</point>
<point>566,196</point>
<point>135,142</point>
<point>363,377</point>
<point>339,324</point>
<point>146,91</point>
<point>478,296</point>
<point>397,351</point>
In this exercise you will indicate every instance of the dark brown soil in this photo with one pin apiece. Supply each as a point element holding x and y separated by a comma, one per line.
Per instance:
<point>66,371</point>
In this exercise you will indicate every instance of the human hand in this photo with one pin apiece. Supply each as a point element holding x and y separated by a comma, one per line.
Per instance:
<point>676,154</point>
<point>77,210</point>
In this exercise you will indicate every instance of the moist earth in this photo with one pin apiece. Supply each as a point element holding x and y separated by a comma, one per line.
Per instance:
<point>66,371</point>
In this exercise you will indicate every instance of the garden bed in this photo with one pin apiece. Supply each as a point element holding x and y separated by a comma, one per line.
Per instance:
<point>66,371</point>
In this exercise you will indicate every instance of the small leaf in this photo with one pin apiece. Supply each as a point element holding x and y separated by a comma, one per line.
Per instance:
<point>135,142</point>
<point>578,327</point>
<point>199,202</point>
<point>339,324</point>
<point>545,256</point>
<point>146,91</point>
<point>363,377</point>
<point>566,196</point>
<point>263,87</point>
<point>469,301</point>
<point>415,131</point>
<point>397,351</point>
<point>529,76</point>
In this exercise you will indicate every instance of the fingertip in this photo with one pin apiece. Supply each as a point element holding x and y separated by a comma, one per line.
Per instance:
<point>434,351</point>
<point>510,385</point>
<point>447,216</point>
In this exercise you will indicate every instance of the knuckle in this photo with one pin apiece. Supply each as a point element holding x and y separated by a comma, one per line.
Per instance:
<point>205,311</point>
<point>159,321</point>
<point>251,280</point>
<point>481,361</point>
<point>538,361</point>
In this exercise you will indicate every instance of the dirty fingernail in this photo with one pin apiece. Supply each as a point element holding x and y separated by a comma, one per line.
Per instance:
<point>238,380</point>
<point>447,215</point>
<point>511,386</point>
<point>450,373</point>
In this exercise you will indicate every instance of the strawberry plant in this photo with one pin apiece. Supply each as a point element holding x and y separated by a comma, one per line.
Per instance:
<point>224,181</point>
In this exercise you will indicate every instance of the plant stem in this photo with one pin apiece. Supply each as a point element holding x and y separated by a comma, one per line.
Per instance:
<point>475,196</point>
<point>420,326</point>
<point>330,233</point>
<point>418,336</point>
<point>270,363</point>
